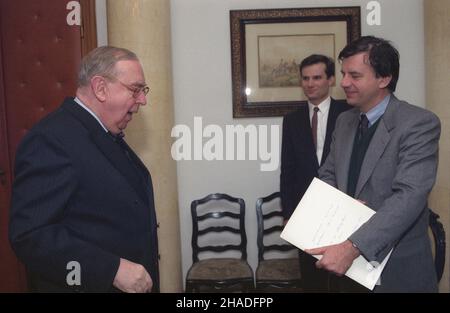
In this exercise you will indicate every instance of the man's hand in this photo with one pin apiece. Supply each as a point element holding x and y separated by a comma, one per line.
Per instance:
<point>336,258</point>
<point>132,277</point>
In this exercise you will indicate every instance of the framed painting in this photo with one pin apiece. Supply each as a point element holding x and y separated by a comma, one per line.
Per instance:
<point>268,45</point>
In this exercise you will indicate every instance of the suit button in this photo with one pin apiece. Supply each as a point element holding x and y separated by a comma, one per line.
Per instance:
<point>136,202</point>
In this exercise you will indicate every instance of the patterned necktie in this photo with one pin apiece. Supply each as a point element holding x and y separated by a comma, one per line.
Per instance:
<point>314,126</point>
<point>363,126</point>
<point>117,137</point>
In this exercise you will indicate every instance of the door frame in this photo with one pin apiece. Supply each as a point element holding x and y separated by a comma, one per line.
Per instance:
<point>88,26</point>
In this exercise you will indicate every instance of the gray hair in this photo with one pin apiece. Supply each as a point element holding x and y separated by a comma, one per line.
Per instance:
<point>101,61</point>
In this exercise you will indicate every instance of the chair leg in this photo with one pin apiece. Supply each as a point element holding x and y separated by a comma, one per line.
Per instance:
<point>189,287</point>
<point>249,287</point>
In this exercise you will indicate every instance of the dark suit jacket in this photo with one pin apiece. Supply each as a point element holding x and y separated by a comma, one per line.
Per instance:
<point>77,197</point>
<point>299,162</point>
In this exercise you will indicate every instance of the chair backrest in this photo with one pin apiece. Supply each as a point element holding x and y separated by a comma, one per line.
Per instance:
<point>270,225</point>
<point>218,219</point>
<point>439,243</point>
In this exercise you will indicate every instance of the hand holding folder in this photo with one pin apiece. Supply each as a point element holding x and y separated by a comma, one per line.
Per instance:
<point>326,216</point>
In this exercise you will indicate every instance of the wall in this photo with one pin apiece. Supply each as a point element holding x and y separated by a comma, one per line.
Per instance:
<point>437,61</point>
<point>202,87</point>
<point>102,24</point>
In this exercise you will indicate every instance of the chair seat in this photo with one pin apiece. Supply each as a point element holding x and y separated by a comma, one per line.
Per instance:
<point>220,269</point>
<point>218,222</point>
<point>278,270</point>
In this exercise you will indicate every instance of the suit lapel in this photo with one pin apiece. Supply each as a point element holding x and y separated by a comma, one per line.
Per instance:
<point>105,144</point>
<point>344,150</point>
<point>138,161</point>
<point>116,156</point>
<point>377,145</point>
<point>374,152</point>
<point>332,114</point>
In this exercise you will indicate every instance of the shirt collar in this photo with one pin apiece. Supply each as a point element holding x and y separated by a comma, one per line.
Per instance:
<point>323,106</point>
<point>91,112</point>
<point>377,111</point>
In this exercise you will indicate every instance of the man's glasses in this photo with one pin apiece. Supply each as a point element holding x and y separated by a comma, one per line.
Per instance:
<point>136,91</point>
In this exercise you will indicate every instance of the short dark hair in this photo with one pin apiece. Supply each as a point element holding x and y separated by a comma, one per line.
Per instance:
<point>319,58</point>
<point>383,57</point>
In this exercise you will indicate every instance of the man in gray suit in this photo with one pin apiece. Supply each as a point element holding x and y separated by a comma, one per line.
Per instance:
<point>385,154</point>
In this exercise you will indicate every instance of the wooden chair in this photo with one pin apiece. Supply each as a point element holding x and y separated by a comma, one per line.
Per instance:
<point>218,234</point>
<point>439,243</point>
<point>281,271</point>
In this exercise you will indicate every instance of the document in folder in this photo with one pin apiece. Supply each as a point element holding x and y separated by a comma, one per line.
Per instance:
<point>327,216</point>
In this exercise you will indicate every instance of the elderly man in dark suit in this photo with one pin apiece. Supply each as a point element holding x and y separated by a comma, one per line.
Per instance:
<point>306,143</point>
<point>384,153</point>
<point>81,195</point>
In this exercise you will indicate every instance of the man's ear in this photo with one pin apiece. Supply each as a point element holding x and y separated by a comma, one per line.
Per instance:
<point>99,87</point>
<point>384,81</point>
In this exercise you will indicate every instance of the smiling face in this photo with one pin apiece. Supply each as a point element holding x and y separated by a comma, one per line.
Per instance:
<point>120,104</point>
<point>315,84</point>
<point>363,89</point>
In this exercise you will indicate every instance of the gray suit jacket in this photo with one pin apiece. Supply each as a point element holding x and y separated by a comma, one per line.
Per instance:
<point>396,177</point>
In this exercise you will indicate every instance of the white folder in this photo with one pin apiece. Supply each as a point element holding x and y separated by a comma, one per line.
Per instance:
<point>327,216</point>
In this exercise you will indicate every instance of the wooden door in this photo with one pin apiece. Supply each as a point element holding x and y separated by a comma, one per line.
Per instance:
<point>39,58</point>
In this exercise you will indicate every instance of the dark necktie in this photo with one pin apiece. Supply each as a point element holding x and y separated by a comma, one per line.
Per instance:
<point>363,126</point>
<point>314,126</point>
<point>119,140</point>
<point>117,137</point>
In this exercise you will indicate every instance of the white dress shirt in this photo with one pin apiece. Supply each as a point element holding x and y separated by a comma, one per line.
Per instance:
<point>322,119</point>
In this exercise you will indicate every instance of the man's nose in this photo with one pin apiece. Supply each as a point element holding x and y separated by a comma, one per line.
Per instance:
<point>142,99</point>
<point>345,81</point>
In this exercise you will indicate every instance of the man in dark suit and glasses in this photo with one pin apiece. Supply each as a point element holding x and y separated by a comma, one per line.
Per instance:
<point>81,194</point>
<point>306,143</point>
